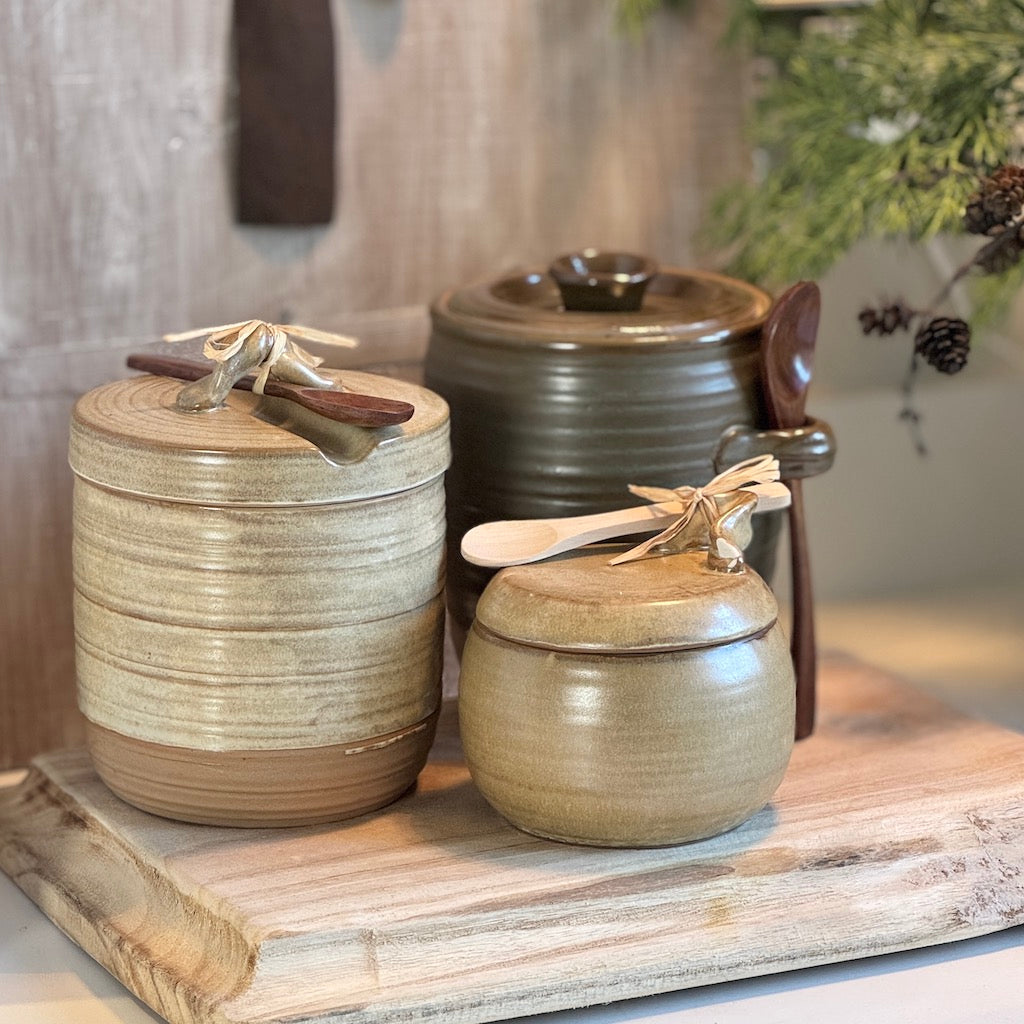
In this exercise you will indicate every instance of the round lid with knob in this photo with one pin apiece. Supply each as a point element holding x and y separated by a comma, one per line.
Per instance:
<point>593,297</point>
<point>578,602</point>
<point>128,435</point>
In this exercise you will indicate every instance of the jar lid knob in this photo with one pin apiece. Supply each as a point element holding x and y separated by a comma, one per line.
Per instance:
<point>594,281</point>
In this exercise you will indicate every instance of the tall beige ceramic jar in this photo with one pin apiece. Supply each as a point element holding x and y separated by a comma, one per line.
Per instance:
<point>643,704</point>
<point>259,631</point>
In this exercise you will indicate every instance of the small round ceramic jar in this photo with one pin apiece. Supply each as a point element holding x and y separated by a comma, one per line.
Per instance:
<point>258,631</point>
<point>644,704</point>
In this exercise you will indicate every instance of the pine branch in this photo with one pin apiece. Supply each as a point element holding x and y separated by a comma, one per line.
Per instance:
<point>879,129</point>
<point>995,211</point>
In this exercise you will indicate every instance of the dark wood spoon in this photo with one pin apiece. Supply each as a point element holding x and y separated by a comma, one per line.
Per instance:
<point>787,349</point>
<point>341,406</point>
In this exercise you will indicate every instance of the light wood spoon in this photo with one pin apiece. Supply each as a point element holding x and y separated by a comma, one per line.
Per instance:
<point>518,541</point>
<point>787,347</point>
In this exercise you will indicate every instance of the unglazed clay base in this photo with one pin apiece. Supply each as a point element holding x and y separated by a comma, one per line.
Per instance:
<point>260,788</point>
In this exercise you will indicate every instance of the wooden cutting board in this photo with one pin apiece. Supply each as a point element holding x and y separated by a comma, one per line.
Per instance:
<point>900,824</point>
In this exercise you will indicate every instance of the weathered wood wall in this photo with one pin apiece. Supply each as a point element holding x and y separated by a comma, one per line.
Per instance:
<point>473,137</point>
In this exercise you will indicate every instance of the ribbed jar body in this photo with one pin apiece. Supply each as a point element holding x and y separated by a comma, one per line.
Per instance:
<point>269,663</point>
<point>556,413</point>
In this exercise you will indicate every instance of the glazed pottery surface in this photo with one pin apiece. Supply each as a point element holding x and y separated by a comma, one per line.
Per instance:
<point>555,412</point>
<point>258,631</point>
<point>644,704</point>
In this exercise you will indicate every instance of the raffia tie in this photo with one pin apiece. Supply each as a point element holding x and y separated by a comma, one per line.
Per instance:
<point>227,340</point>
<point>222,345</point>
<point>745,475</point>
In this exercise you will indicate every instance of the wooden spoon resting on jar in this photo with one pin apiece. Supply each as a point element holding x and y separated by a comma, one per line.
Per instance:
<point>787,349</point>
<point>341,406</point>
<point>519,541</point>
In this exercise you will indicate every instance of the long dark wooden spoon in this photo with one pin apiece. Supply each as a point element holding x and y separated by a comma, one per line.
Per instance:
<point>787,349</point>
<point>341,406</point>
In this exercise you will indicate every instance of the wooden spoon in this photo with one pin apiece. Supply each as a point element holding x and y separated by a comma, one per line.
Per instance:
<point>787,350</point>
<point>341,406</point>
<point>518,541</point>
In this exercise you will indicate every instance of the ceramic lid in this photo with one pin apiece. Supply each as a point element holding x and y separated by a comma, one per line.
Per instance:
<point>128,436</point>
<point>578,602</point>
<point>678,306</point>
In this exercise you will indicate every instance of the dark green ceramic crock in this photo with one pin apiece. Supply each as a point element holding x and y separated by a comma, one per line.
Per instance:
<point>561,399</point>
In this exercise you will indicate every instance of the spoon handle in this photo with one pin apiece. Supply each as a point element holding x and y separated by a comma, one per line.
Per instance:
<point>802,643</point>
<point>788,341</point>
<point>518,541</point>
<point>340,406</point>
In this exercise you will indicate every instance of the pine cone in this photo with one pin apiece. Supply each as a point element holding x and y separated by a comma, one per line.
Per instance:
<point>945,343</point>
<point>998,202</point>
<point>1003,253</point>
<point>886,319</point>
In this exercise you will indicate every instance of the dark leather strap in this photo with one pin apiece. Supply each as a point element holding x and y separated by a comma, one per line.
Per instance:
<point>286,108</point>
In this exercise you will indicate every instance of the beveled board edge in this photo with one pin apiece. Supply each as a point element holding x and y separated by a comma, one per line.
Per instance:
<point>121,907</point>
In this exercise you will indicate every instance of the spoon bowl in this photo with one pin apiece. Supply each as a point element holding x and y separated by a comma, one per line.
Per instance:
<point>789,338</point>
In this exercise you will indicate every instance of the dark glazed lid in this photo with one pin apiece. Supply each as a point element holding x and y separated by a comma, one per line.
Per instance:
<point>591,298</point>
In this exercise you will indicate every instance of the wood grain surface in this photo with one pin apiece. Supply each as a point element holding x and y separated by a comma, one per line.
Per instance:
<point>473,137</point>
<point>900,824</point>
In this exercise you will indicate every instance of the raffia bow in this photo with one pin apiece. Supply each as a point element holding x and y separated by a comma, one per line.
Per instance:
<point>747,475</point>
<point>226,340</point>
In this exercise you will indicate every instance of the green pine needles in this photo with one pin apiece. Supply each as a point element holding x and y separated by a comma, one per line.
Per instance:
<point>880,126</point>
<point>879,123</point>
